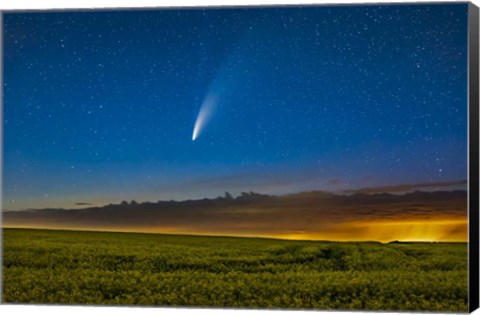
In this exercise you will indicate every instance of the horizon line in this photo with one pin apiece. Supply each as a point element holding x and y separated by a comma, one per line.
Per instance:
<point>278,238</point>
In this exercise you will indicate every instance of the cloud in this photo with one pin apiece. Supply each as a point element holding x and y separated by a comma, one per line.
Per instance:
<point>407,187</point>
<point>83,204</point>
<point>316,215</point>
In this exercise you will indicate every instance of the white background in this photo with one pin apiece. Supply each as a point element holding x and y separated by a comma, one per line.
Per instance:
<point>77,310</point>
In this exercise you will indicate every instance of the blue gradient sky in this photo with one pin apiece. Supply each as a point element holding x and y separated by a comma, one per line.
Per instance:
<point>100,106</point>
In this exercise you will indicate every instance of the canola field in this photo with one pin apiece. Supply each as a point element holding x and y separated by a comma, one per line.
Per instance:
<point>76,267</point>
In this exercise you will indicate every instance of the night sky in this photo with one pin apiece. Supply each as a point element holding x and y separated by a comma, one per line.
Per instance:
<point>101,106</point>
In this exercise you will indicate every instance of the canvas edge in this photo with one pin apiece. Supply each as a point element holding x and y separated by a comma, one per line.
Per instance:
<point>1,155</point>
<point>229,6</point>
<point>473,133</point>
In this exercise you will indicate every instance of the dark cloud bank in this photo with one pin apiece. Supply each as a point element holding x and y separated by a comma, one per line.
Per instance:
<point>254,214</point>
<point>409,187</point>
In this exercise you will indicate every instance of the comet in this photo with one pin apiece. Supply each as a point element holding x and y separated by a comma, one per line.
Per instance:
<point>227,78</point>
<point>220,88</point>
<point>204,114</point>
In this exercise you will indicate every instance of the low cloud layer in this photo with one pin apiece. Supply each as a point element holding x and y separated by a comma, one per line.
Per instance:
<point>408,187</point>
<point>437,215</point>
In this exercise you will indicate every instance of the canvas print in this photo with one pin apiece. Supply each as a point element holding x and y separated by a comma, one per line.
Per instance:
<point>302,157</point>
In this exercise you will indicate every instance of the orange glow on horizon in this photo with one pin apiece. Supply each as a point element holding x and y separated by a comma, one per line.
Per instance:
<point>387,231</point>
<point>440,230</point>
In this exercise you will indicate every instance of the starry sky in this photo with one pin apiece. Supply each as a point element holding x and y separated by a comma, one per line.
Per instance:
<point>100,106</point>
